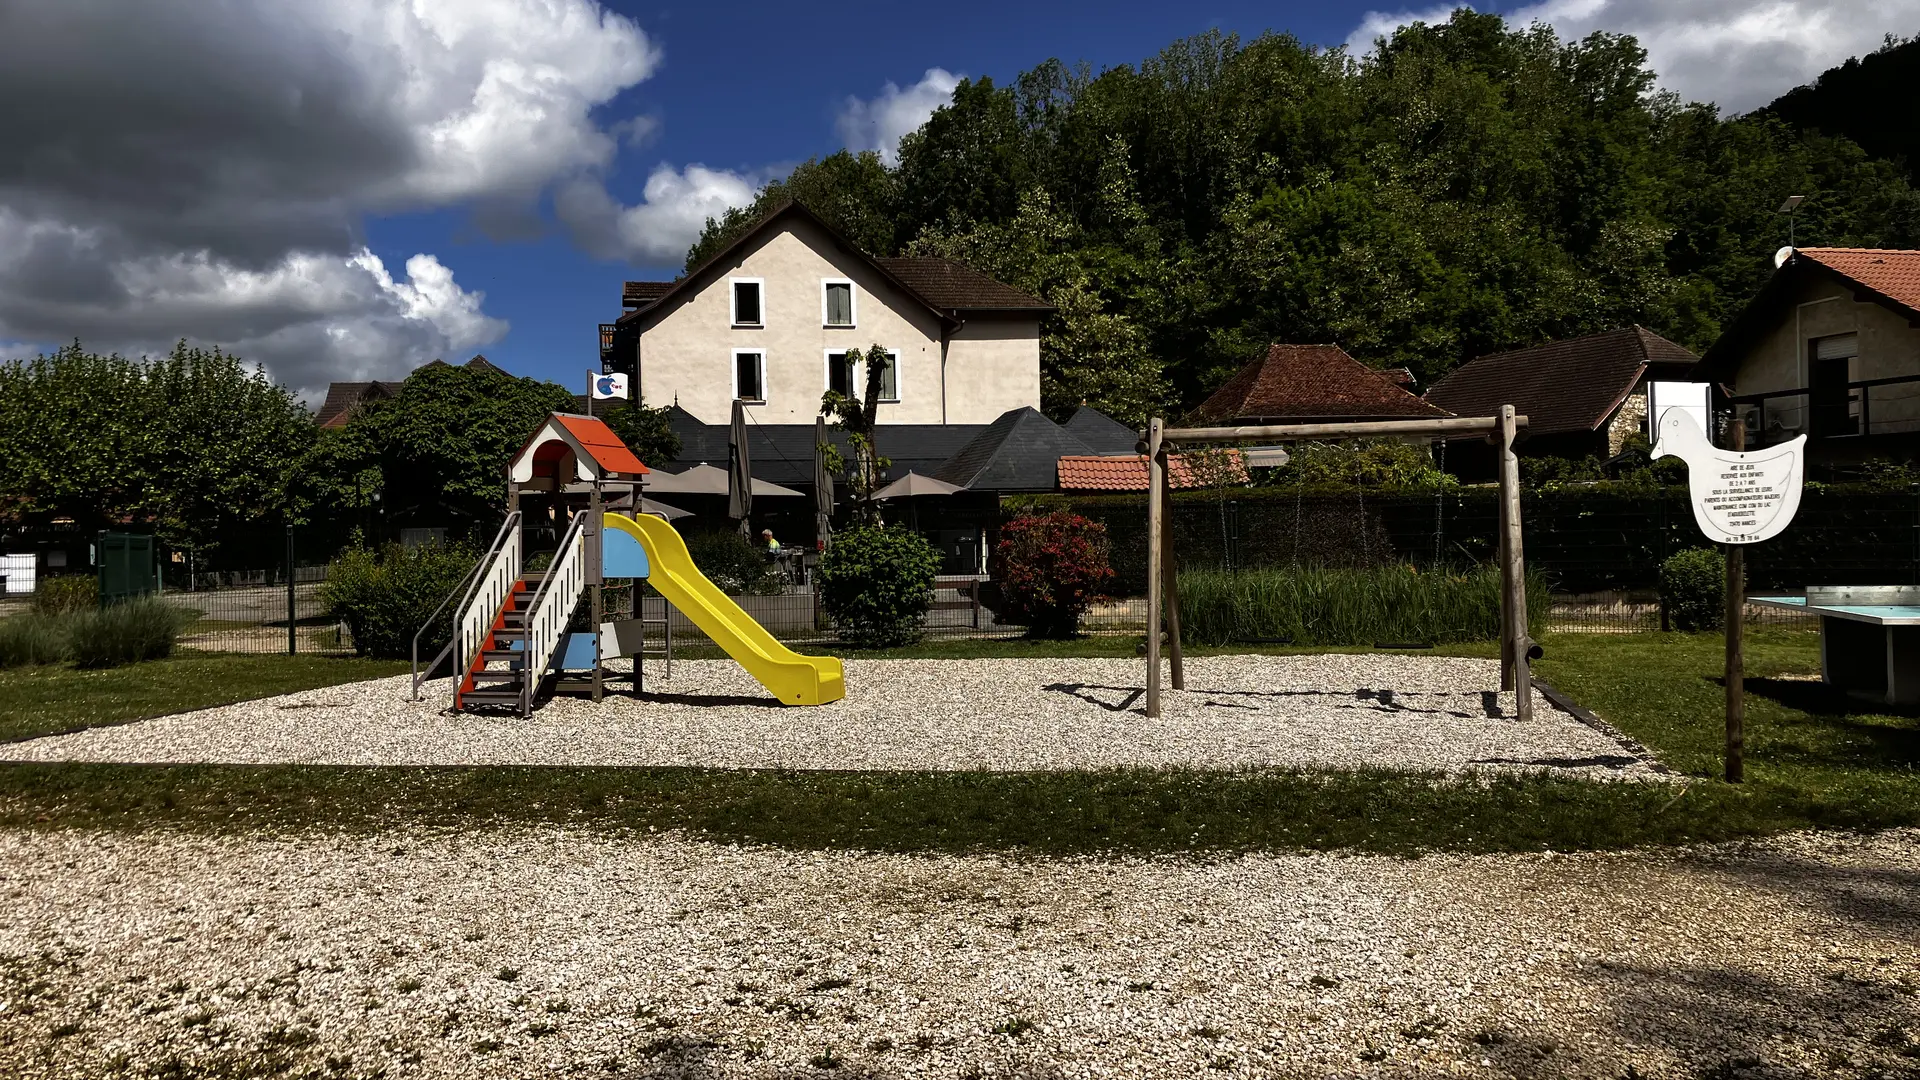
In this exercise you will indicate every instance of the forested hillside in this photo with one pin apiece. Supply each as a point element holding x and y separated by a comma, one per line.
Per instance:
<point>1873,100</point>
<point>1471,188</point>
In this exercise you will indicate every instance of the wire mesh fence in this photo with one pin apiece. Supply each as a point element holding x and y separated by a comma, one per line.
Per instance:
<point>1598,551</point>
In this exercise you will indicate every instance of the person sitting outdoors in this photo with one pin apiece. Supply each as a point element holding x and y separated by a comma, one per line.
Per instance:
<point>772,545</point>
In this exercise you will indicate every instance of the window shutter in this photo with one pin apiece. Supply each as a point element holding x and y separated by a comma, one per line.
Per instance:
<point>1837,347</point>
<point>839,304</point>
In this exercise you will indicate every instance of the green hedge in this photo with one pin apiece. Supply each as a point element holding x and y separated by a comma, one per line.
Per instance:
<point>384,595</point>
<point>877,584</point>
<point>1378,606</point>
<point>735,564</point>
<point>1693,585</point>
<point>67,594</point>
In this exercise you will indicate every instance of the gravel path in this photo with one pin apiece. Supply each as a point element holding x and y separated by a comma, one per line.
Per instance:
<point>1428,713</point>
<point>557,952</point>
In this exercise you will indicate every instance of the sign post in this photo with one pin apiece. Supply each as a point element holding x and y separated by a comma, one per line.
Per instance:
<point>1740,497</point>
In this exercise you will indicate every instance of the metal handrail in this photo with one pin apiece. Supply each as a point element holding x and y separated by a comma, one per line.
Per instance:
<point>434,663</point>
<point>466,592</point>
<point>467,584</point>
<point>534,668</point>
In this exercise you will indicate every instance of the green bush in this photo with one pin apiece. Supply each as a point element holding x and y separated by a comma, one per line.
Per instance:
<point>735,564</point>
<point>385,595</point>
<point>67,594</point>
<point>1693,586</point>
<point>877,583</point>
<point>126,633</point>
<point>1315,606</point>
<point>32,639</point>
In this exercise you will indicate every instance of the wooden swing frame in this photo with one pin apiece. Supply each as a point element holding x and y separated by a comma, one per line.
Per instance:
<point>1163,594</point>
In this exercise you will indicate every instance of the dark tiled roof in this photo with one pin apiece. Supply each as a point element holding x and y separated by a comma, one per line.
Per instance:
<point>481,363</point>
<point>1129,472</point>
<point>967,290</point>
<point>1310,382</point>
<point>642,293</point>
<point>1020,451</point>
<point>783,453</point>
<point>1101,432</point>
<point>946,284</point>
<point>1562,386</point>
<point>343,397</point>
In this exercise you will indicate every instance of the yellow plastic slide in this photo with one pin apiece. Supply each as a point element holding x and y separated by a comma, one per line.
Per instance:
<point>794,679</point>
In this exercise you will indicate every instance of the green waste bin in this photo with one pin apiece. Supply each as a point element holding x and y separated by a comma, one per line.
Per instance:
<point>127,567</point>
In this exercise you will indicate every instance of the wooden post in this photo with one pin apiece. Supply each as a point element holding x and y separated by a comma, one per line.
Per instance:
<point>1170,575</point>
<point>1736,674</point>
<point>1156,510</point>
<point>1513,571</point>
<point>1500,555</point>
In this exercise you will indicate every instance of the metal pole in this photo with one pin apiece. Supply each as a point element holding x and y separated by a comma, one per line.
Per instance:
<point>293,641</point>
<point>1156,509</point>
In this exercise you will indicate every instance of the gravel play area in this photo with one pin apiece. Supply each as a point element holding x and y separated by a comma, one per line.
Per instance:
<point>559,952</point>
<point>1338,711</point>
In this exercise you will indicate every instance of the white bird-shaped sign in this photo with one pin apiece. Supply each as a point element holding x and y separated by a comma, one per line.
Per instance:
<point>1739,497</point>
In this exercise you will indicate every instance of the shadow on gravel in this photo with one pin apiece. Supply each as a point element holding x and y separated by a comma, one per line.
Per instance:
<point>1885,898</point>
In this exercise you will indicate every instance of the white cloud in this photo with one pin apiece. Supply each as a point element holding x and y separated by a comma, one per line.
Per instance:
<point>1379,24</point>
<point>1739,54</point>
<point>881,122</point>
<point>676,205</point>
<point>203,170</point>
<point>309,318</point>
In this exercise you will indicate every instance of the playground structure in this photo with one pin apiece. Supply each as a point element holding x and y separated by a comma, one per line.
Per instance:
<point>1517,650</point>
<point>514,629</point>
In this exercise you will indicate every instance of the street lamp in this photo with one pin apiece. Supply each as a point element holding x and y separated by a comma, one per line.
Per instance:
<point>1792,204</point>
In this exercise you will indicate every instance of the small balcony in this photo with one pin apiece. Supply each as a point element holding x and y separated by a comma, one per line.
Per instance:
<point>1836,411</point>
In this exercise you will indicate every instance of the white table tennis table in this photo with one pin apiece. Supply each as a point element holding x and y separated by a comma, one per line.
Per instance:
<point>1869,638</point>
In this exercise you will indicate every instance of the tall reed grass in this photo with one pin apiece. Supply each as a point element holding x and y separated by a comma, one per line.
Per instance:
<point>1320,606</point>
<point>125,633</point>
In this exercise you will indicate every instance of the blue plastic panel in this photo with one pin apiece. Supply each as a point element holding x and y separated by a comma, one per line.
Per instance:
<point>621,555</point>
<point>578,653</point>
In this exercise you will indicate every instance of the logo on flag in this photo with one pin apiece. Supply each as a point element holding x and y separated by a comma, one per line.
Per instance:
<point>610,386</point>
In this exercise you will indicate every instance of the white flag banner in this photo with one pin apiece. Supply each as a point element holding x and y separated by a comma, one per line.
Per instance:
<point>609,386</point>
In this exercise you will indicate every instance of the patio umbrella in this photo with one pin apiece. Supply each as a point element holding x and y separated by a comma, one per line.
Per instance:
<point>739,471</point>
<point>913,485</point>
<point>704,479</point>
<point>822,485</point>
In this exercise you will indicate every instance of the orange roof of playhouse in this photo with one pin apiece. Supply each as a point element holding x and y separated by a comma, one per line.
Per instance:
<point>596,450</point>
<point>1128,472</point>
<point>602,443</point>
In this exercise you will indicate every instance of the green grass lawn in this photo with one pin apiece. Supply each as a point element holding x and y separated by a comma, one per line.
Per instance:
<point>46,700</point>
<point>1815,761</point>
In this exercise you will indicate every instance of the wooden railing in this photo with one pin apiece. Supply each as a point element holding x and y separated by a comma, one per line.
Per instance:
<point>473,619</point>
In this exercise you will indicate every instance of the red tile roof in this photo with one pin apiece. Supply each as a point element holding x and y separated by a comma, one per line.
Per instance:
<point>1128,472</point>
<point>1891,273</point>
<point>600,441</point>
<point>1562,386</point>
<point>1311,382</point>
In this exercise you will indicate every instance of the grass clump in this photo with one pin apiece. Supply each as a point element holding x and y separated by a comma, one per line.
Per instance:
<point>67,594</point>
<point>32,639</point>
<point>126,633</point>
<point>1325,606</point>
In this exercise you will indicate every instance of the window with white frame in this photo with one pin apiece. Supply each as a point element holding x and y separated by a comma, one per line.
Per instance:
<point>836,302</point>
<point>748,301</point>
<point>750,375</point>
<point>851,379</point>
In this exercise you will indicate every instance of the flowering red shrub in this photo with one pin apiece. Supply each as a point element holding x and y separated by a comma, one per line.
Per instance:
<point>1049,568</point>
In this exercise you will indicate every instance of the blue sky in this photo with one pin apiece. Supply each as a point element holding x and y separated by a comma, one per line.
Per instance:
<point>345,189</point>
<point>758,86</point>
